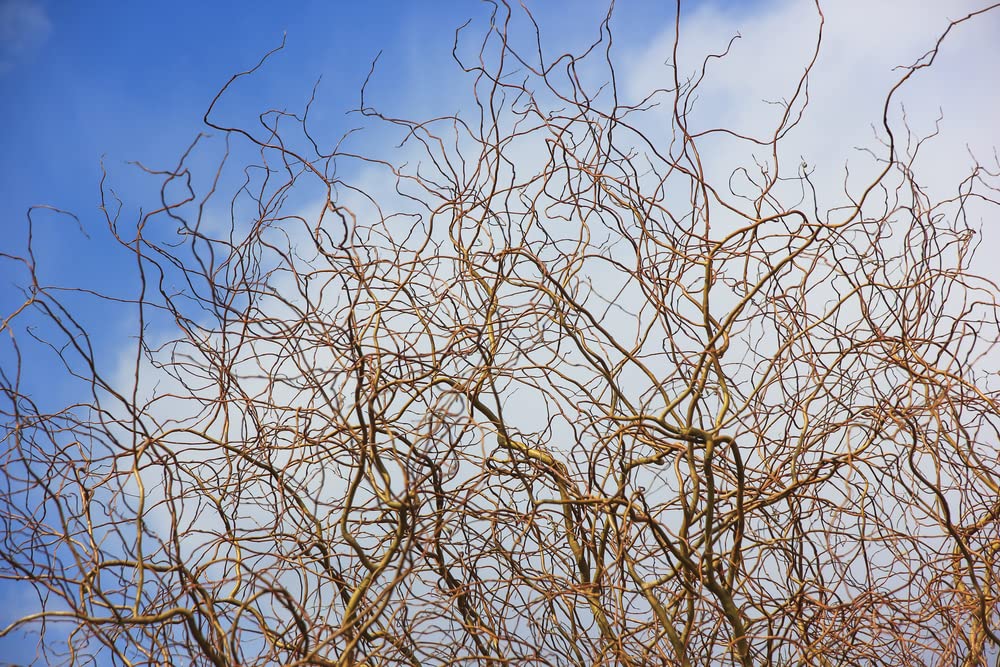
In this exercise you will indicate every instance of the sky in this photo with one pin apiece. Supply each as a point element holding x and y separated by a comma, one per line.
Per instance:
<point>86,84</point>
<point>99,83</point>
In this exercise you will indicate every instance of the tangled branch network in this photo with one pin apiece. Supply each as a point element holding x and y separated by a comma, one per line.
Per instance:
<point>539,388</point>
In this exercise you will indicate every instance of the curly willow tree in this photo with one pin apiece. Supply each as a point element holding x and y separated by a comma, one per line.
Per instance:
<point>540,389</point>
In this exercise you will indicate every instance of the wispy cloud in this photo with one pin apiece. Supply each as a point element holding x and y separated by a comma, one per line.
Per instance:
<point>863,43</point>
<point>24,27</point>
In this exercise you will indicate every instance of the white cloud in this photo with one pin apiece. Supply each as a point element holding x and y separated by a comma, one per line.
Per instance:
<point>24,27</point>
<point>865,45</point>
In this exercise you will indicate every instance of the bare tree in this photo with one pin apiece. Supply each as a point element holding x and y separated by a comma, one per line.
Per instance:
<point>544,391</point>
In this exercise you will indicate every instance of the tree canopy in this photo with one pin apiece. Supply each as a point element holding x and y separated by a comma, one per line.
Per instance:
<point>544,381</point>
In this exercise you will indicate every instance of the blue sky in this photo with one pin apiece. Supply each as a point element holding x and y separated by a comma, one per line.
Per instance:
<point>120,82</point>
<point>127,82</point>
<point>130,81</point>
